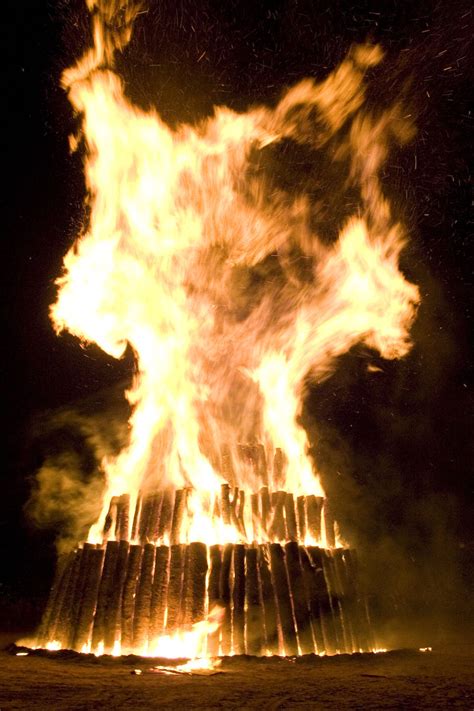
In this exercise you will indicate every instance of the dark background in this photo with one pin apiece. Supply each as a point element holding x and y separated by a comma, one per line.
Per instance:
<point>394,447</point>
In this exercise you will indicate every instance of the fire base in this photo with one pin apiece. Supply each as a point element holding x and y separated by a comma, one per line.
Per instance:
<point>276,599</point>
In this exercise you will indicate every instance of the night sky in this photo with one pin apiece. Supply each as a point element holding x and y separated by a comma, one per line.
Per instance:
<point>394,446</point>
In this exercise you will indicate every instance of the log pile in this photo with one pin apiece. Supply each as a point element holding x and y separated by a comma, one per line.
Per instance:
<point>270,516</point>
<point>277,599</point>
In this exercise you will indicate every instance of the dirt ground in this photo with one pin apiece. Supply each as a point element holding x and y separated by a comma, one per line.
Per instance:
<point>441,679</point>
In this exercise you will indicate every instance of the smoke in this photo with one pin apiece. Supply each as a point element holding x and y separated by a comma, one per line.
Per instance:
<point>69,447</point>
<point>386,443</point>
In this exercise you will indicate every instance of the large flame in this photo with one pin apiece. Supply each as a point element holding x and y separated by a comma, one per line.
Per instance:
<point>216,277</point>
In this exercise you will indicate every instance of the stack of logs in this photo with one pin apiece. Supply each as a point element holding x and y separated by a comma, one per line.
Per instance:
<point>276,599</point>
<point>163,516</point>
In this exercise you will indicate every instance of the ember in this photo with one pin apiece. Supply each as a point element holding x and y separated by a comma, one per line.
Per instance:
<point>215,535</point>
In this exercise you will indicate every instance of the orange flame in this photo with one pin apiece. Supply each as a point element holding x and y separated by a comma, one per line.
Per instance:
<point>171,262</point>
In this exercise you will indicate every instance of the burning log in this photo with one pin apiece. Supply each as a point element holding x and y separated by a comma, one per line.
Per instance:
<point>178,513</point>
<point>215,556</point>
<point>280,464</point>
<point>298,597</point>
<point>238,600</point>
<point>164,523</point>
<point>113,617</point>
<point>89,599</point>
<point>312,594</point>
<point>159,592</point>
<point>282,592</point>
<point>141,618</point>
<point>111,518</point>
<point>121,525</point>
<point>79,592</point>
<point>256,521</point>
<point>329,524</point>
<point>136,517</point>
<point>346,601</point>
<point>145,517</point>
<point>105,592</point>
<point>175,586</point>
<point>193,602</point>
<point>253,607</point>
<point>66,620</point>
<point>290,517</point>
<point>225,504</point>
<point>359,607</point>
<point>129,592</point>
<point>331,582</point>
<point>48,625</point>
<point>323,597</point>
<point>265,508</point>
<point>154,523</point>
<point>278,528</point>
<point>262,470</point>
<point>301,512</point>
<point>270,614</point>
<point>225,598</point>
<point>313,512</point>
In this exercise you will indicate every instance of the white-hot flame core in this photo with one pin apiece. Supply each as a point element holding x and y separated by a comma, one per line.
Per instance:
<point>179,227</point>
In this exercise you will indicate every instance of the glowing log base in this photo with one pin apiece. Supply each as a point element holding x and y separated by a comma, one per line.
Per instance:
<point>285,599</point>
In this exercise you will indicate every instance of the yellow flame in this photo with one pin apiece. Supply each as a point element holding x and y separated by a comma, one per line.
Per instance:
<point>170,262</point>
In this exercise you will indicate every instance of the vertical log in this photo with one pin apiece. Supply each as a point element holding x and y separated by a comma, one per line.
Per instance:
<point>178,512</point>
<point>175,587</point>
<point>136,517</point>
<point>79,592</point>
<point>194,588</point>
<point>313,511</point>
<point>47,627</point>
<point>256,523</point>
<point>331,582</point>
<point>290,518</point>
<point>345,587</point>
<point>83,633</point>
<point>66,620</point>
<point>298,598</point>
<point>215,555</point>
<point>129,593</point>
<point>164,526</point>
<point>265,508</point>
<point>238,600</point>
<point>225,597</point>
<point>105,592</point>
<point>329,524</point>
<point>141,618</point>
<point>110,519</point>
<point>123,512</point>
<point>312,596</point>
<point>301,511</point>
<point>280,584</point>
<point>262,470</point>
<point>278,527</point>
<point>159,593</point>
<point>145,516</point>
<point>113,615</point>
<point>270,611</point>
<point>241,513</point>
<point>253,608</point>
<point>325,609</point>
<point>154,524</point>
<point>225,504</point>
<point>280,464</point>
<point>365,636</point>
